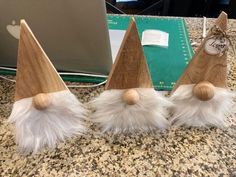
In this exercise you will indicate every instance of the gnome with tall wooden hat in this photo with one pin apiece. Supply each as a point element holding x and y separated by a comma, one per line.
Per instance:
<point>200,95</point>
<point>129,102</point>
<point>45,111</point>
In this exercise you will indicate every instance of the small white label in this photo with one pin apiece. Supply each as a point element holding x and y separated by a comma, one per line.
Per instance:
<point>216,46</point>
<point>155,37</point>
<point>116,38</point>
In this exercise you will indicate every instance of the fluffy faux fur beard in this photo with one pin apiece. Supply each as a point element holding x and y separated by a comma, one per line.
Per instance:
<point>113,114</point>
<point>190,111</point>
<point>36,129</point>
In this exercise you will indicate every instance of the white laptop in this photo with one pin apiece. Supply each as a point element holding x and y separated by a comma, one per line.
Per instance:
<point>73,33</point>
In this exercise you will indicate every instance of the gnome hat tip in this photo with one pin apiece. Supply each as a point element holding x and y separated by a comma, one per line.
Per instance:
<point>222,20</point>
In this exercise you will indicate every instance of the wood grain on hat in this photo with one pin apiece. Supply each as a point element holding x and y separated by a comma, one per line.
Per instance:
<point>130,69</point>
<point>205,67</point>
<point>35,72</point>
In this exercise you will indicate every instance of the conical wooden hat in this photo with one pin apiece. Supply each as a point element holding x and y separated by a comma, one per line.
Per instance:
<point>205,66</point>
<point>130,69</point>
<point>35,72</point>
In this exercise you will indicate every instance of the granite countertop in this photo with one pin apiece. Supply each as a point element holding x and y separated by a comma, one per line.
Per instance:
<point>177,152</point>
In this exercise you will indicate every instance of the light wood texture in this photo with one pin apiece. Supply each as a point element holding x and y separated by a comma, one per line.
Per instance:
<point>131,96</point>
<point>204,91</point>
<point>205,67</point>
<point>130,69</point>
<point>35,72</point>
<point>41,101</point>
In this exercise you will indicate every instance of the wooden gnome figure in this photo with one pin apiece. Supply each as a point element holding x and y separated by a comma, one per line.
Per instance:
<point>200,95</point>
<point>45,111</point>
<point>129,102</point>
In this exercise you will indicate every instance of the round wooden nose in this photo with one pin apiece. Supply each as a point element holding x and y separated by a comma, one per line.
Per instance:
<point>204,91</point>
<point>131,96</point>
<point>41,101</point>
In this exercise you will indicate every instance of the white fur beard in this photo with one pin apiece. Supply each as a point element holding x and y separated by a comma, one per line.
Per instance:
<point>36,129</point>
<point>190,111</point>
<point>113,114</point>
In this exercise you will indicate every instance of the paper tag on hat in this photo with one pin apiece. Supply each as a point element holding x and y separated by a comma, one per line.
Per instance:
<point>155,37</point>
<point>216,45</point>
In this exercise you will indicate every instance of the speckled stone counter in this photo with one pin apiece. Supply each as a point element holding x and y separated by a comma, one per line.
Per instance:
<point>177,152</point>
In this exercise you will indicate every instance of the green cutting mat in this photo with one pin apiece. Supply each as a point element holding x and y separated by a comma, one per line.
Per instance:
<point>165,64</point>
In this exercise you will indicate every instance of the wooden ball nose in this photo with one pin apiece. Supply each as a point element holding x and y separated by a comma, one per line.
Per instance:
<point>204,91</point>
<point>131,96</point>
<point>41,101</point>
